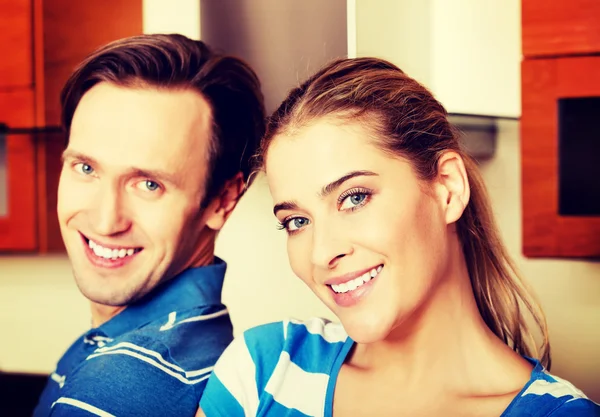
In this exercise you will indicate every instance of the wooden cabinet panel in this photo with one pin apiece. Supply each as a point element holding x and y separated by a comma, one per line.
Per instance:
<point>18,229</point>
<point>545,232</point>
<point>17,107</point>
<point>16,31</point>
<point>72,30</point>
<point>559,27</point>
<point>50,146</point>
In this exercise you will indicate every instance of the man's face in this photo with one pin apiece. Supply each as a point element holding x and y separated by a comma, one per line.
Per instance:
<point>130,188</point>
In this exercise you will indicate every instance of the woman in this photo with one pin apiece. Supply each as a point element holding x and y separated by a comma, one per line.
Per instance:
<point>389,224</point>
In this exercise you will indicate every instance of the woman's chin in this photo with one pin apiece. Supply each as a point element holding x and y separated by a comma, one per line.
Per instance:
<point>365,332</point>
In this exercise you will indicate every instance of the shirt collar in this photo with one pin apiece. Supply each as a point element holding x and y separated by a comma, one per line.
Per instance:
<point>194,287</point>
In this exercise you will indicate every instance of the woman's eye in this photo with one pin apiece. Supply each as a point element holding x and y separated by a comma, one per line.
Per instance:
<point>84,168</point>
<point>296,223</point>
<point>353,200</point>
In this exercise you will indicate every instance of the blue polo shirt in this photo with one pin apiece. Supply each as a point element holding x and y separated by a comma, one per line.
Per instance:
<point>152,359</point>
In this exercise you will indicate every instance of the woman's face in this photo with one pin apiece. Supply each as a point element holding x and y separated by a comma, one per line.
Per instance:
<point>365,234</point>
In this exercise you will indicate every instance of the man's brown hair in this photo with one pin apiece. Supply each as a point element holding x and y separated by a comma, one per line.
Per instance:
<point>176,62</point>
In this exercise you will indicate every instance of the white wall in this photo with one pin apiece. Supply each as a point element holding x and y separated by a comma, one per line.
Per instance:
<point>41,312</point>
<point>260,285</point>
<point>180,16</point>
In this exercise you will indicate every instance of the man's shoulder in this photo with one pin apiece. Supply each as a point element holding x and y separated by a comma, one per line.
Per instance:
<point>191,338</point>
<point>130,374</point>
<point>185,345</point>
<point>161,367</point>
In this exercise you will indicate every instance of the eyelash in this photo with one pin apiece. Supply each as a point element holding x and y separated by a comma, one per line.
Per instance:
<point>283,225</point>
<point>355,191</point>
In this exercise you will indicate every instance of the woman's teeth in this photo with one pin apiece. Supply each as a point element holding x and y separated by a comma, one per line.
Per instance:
<point>357,282</point>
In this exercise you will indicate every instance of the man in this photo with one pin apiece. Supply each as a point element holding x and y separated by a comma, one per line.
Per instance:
<point>160,134</point>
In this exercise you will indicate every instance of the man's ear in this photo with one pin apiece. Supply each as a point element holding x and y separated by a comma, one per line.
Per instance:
<point>452,186</point>
<point>221,206</point>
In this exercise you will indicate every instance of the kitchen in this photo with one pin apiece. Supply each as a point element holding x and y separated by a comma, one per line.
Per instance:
<point>468,52</point>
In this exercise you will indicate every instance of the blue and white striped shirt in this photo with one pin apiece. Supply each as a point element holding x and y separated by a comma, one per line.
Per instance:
<point>290,369</point>
<point>152,359</point>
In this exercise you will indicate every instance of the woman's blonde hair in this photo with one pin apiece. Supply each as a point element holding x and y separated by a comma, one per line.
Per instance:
<point>408,121</point>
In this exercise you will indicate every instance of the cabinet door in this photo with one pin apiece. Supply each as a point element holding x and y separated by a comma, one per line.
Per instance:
<point>560,27</point>
<point>17,173</point>
<point>18,218</point>
<point>560,145</point>
<point>16,34</point>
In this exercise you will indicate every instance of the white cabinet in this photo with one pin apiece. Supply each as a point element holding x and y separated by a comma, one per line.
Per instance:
<point>467,52</point>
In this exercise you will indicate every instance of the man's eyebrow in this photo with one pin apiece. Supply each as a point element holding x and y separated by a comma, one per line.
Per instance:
<point>332,186</point>
<point>73,154</point>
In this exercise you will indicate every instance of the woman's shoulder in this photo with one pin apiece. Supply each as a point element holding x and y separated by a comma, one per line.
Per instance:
<point>549,395</point>
<point>317,335</point>
<point>288,339</point>
<point>270,361</point>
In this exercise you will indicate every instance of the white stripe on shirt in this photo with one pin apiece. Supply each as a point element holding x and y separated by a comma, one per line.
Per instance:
<point>239,378</point>
<point>153,354</point>
<point>172,317</point>
<point>83,406</point>
<point>331,332</point>
<point>59,379</point>
<point>153,363</point>
<point>293,387</point>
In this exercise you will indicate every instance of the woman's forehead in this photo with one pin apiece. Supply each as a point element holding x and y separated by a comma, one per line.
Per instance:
<point>311,157</point>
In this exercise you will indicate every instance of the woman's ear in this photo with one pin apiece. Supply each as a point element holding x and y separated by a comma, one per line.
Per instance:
<point>220,207</point>
<point>452,185</point>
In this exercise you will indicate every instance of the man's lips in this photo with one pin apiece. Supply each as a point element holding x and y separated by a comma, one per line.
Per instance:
<point>109,251</point>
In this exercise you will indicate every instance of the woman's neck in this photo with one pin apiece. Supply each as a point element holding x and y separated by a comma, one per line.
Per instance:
<point>444,345</point>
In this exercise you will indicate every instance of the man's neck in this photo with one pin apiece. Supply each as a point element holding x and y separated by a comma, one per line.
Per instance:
<point>203,254</point>
<point>103,313</point>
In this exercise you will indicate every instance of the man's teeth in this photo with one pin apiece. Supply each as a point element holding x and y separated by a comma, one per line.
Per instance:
<point>107,253</point>
<point>357,282</point>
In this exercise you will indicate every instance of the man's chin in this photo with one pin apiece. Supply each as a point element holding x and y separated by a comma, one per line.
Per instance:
<point>103,292</point>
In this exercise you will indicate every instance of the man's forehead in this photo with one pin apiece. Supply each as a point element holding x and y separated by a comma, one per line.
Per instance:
<point>142,120</point>
<point>112,106</point>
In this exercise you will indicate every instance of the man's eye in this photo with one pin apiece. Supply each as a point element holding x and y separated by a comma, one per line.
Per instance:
<point>148,185</point>
<point>83,168</point>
